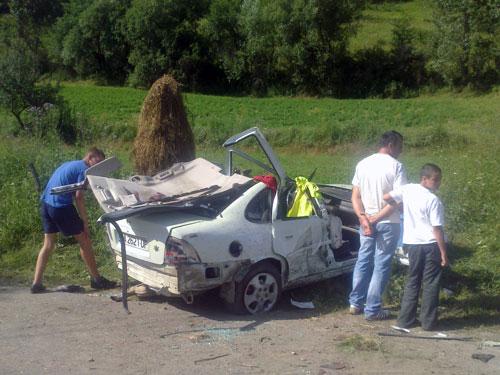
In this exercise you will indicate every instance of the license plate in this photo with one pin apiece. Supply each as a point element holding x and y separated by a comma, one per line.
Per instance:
<point>135,241</point>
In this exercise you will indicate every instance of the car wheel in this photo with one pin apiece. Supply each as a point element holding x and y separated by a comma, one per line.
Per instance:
<point>258,292</point>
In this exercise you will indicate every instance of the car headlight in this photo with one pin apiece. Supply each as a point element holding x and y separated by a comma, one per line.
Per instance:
<point>180,252</point>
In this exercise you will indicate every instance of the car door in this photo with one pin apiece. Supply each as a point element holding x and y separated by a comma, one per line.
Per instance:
<point>303,241</point>
<point>298,240</point>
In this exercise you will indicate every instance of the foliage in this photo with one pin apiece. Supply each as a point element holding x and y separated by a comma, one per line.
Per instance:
<point>378,72</point>
<point>94,45</point>
<point>409,64</point>
<point>346,48</point>
<point>19,87</point>
<point>467,42</point>
<point>220,26</point>
<point>35,105</point>
<point>164,40</point>
<point>378,18</point>
<point>32,16</point>
<point>288,43</point>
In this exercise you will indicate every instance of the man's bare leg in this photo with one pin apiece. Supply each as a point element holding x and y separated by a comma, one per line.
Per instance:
<point>49,243</point>
<point>87,254</point>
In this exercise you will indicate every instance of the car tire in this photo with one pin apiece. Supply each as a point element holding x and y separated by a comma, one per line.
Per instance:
<point>258,292</point>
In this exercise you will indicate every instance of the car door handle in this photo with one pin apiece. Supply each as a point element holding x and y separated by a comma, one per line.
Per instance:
<point>289,236</point>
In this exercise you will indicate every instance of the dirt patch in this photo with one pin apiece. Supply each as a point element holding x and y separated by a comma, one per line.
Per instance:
<point>61,333</point>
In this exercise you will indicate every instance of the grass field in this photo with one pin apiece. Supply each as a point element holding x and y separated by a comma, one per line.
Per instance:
<point>378,19</point>
<point>459,133</point>
<point>437,121</point>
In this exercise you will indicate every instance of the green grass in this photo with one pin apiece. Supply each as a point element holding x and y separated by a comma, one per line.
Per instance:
<point>439,120</point>
<point>104,103</point>
<point>378,19</point>
<point>358,343</point>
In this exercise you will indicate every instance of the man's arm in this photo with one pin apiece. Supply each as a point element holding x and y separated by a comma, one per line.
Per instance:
<point>387,210</point>
<point>359,209</point>
<point>389,199</point>
<point>80,205</point>
<point>439,236</point>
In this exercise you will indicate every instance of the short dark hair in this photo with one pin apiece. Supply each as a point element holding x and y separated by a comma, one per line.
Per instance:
<point>391,136</point>
<point>97,153</point>
<point>429,169</point>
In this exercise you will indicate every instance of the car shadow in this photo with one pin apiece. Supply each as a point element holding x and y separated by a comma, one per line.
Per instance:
<point>324,296</point>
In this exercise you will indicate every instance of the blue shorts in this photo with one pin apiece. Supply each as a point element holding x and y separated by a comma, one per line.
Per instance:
<point>61,219</point>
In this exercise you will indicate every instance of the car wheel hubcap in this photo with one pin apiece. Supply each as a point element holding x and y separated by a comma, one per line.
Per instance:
<point>261,293</point>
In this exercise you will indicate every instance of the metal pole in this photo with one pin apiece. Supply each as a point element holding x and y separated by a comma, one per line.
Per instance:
<point>124,266</point>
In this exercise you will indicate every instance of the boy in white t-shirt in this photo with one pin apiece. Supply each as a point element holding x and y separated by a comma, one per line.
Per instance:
<point>424,241</point>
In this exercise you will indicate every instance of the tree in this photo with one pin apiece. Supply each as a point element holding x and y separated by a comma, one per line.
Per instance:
<point>164,38</point>
<point>291,43</point>
<point>94,44</point>
<point>313,36</point>
<point>19,87</point>
<point>224,35</point>
<point>32,17</point>
<point>467,42</point>
<point>408,64</point>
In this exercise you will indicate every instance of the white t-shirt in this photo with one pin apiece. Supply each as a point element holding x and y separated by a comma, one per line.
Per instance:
<point>375,176</point>
<point>422,211</point>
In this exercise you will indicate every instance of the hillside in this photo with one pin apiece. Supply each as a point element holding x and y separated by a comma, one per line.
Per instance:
<point>378,19</point>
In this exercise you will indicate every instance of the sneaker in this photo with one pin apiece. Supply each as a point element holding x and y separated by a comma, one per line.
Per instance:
<point>380,315</point>
<point>102,283</point>
<point>37,288</point>
<point>353,310</point>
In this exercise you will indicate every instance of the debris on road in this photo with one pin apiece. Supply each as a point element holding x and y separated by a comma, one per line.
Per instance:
<point>70,288</point>
<point>493,344</point>
<point>302,305</point>
<point>400,329</point>
<point>483,357</point>
<point>440,334</point>
<point>435,337</point>
<point>334,366</point>
<point>196,361</point>
<point>141,291</point>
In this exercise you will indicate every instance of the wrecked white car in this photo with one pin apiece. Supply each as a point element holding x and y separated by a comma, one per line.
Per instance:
<point>197,226</point>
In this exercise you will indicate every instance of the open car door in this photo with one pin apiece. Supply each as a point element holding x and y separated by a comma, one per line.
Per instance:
<point>300,240</point>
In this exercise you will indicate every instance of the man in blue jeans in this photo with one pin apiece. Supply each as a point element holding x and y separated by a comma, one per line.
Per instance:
<point>60,215</point>
<point>375,176</point>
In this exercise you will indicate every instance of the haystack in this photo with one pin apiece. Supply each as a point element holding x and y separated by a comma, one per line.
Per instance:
<point>164,136</point>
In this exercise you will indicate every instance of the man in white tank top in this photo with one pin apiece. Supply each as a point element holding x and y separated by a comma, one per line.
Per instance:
<point>375,176</point>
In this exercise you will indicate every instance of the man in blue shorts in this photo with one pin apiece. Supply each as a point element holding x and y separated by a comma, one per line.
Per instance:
<point>60,215</point>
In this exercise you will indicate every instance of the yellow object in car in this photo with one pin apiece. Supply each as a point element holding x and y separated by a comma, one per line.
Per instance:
<point>302,205</point>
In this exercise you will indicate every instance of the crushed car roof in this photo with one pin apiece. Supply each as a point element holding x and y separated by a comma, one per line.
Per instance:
<point>180,183</point>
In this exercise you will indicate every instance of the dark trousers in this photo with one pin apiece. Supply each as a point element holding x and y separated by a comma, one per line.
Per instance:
<point>425,272</point>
